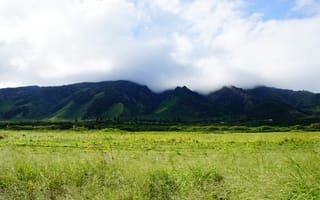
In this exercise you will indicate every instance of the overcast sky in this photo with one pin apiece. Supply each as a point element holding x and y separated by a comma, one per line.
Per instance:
<point>203,44</point>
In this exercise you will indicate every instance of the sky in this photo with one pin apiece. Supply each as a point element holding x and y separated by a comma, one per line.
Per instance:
<point>202,44</point>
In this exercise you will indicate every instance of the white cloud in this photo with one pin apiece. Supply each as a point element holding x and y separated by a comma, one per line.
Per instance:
<point>202,44</point>
<point>309,7</point>
<point>300,4</point>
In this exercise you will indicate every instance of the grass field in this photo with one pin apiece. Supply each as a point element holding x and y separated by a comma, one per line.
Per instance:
<point>111,164</point>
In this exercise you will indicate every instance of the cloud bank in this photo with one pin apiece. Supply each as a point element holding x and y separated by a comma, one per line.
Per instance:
<point>204,44</point>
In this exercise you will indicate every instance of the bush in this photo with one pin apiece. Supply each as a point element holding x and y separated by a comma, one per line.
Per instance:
<point>161,185</point>
<point>315,126</point>
<point>265,129</point>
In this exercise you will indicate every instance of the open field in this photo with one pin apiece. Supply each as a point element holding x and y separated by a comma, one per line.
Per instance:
<point>112,164</point>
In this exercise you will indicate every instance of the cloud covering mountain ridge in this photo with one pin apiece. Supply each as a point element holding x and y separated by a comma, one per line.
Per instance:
<point>204,44</point>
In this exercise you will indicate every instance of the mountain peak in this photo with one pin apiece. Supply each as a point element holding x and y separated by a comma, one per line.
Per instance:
<point>182,89</point>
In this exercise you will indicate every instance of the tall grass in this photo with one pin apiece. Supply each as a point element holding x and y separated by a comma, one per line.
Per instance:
<point>113,165</point>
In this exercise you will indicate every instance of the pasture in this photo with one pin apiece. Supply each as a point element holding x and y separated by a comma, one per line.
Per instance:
<point>113,164</point>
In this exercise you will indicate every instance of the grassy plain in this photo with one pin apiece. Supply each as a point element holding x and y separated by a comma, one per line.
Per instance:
<point>112,164</point>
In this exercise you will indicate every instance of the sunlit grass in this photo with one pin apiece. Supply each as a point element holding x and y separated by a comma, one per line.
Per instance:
<point>158,165</point>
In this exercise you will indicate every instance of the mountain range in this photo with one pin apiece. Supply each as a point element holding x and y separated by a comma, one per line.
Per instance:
<point>128,100</point>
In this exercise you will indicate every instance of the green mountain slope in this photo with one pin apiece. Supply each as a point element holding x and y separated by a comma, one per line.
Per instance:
<point>78,101</point>
<point>184,103</point>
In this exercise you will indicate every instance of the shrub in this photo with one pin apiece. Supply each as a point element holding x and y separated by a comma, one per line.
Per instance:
<point>315,126</point>
<point>161,185</point>
<point>265,129</point>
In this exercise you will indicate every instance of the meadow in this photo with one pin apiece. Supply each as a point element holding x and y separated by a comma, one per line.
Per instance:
<point>115,164</point>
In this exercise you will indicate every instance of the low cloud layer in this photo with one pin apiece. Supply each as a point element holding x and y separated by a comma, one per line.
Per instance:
<point>204,44</point>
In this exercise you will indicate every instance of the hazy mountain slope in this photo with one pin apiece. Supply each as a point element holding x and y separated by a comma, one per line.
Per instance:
<point>302,100</point>
<point>262,103</point>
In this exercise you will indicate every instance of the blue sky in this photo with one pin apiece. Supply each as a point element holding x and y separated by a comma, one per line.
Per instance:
<point>203,44</point>
<point>278,9</point>
<point>272,9</point>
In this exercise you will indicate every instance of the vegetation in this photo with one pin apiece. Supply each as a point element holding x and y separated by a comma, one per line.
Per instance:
<point>115,164</point>
<point>140,125</point>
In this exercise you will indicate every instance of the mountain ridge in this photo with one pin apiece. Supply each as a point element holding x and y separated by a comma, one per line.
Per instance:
<point>128,100</point>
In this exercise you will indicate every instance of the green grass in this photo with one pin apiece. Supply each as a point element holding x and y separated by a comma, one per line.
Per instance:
<point>60,113</point>
<point>112,164</point>
<point>166,105</point>
<point>114,111</point>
